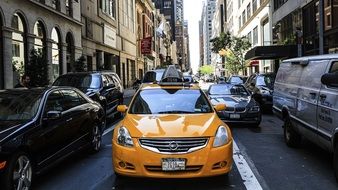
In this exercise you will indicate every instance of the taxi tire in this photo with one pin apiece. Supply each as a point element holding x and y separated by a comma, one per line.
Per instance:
<point>7,181</point>
<point>291,137</point>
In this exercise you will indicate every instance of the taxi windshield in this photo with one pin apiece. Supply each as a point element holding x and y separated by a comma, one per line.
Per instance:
<point>170,101</point>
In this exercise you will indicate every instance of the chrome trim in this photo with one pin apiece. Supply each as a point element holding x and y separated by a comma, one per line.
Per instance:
<point>164,142</point>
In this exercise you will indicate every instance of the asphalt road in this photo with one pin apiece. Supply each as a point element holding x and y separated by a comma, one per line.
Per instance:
<point>264,161</point>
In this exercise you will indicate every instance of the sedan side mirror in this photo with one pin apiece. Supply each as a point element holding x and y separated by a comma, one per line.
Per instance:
<point>52,115</point>
<point>330,79</point>
<point>122,108</point>
<point>220,107</point>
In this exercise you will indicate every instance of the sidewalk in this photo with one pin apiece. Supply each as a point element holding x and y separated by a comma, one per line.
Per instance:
<point>129,92</point>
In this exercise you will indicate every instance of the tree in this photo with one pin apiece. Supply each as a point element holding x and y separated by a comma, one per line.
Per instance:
<point>236,45</point>
<point>206,70</point>
<point>80,64</point>
<point>37,68</point>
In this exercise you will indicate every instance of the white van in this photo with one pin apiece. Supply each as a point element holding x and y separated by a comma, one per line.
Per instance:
<point>306,98</point>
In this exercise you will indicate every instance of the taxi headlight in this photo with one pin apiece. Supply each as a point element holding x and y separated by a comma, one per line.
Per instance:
<point>124,138</point>
<point>221,137</point>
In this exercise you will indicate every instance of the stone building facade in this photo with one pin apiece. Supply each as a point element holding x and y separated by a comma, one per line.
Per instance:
<point>48,25</point>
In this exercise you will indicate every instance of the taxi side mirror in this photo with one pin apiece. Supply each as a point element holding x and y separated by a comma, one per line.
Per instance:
<point>122,108</point>
<point>220,107</point>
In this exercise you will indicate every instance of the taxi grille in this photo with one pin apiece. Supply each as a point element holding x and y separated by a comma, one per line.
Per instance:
<point>173,145</point>
<point>187,168</point>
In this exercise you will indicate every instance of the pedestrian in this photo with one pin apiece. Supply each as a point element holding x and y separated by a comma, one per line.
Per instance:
<point>24,82</point>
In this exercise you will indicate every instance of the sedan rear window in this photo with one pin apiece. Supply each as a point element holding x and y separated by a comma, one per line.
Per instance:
<point>170,101</point>
<point>228,90</point>
<point>79,81</point>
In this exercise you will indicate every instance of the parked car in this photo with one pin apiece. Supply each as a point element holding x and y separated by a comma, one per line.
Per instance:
<point>39,127</point>
<point>236,79</point>
<point>240,107</point>
<point>221,80</point>
<point>103,87</point>
<point>261,87</point>
<point>189,78</point>
<point>175,129</point>
<point>306,98</point>
<point>153,76</point>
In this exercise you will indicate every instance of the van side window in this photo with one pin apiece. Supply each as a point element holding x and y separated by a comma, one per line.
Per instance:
<point>334,68</point>
<point>289,73</point>
<point>312,74</point>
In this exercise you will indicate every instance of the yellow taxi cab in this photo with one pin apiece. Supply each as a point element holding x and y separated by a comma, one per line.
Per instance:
<point>170,130</point>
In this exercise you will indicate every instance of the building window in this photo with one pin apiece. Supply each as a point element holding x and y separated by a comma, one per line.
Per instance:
<point>69,7</point>
<point>240,21</point>
<point>249,37</point>
<point>277,3</point>
<point>248,10</point>
<point>56,5</point>
<point>243,17</point>
<point>255,36</point>
<point>56,53</point>
<point>254,6</point>
<point>109,7</point>
<point>167,4</point>
<point>16,49</point>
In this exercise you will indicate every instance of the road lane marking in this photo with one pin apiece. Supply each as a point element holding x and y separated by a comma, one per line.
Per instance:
<point>108,130</point>
<point>249,178</point>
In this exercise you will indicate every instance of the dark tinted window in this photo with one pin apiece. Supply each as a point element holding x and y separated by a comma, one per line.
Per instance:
<point>19,105</point>
<point>265,80</point>
<point>152,76</point>
<point>236,80</point>
<point>227,90</point>
<point>164,101</point>
<point>54,102</point>
<point>79,81</point>
<point>334,67</point>
<point>71,99</point>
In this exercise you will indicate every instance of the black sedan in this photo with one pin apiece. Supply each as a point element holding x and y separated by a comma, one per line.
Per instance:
<point>240,106</point>
<point>39,127</point>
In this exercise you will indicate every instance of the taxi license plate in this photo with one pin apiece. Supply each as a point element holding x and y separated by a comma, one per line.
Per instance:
<point>235,116</point>
<point>173,164</point>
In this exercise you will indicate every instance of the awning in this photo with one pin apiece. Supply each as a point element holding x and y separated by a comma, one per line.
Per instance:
<point>271,52</point>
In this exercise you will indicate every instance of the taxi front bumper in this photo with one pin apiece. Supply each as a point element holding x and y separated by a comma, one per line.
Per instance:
<point>139,162</point>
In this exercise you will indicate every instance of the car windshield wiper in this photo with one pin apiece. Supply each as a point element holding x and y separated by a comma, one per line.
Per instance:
<point>174,111</point>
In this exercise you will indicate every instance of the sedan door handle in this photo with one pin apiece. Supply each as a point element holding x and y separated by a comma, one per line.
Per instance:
<point>70,119</point>
<point>312,93</point>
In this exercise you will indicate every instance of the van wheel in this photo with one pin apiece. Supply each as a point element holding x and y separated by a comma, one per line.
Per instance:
<point>335,162</point>
<point>19,172</point>
<point>291,137</point>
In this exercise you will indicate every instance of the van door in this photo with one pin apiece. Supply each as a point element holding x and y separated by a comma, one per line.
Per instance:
<point>308,97</point>
<point>327,112</point>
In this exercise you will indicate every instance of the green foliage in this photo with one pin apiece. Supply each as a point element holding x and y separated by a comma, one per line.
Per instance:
<point>37,68</point>
<point>80,64</point>
<point>238,46</point>
<point>206,69</point>
<point>231,64</point>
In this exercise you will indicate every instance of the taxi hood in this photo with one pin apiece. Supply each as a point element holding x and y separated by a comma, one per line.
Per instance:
<point>172,125</point>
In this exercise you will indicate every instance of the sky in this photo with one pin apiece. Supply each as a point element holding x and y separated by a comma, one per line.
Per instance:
<point>192,13</point>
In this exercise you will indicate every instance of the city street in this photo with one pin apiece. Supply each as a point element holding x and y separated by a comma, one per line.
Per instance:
<point>261,151</point>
